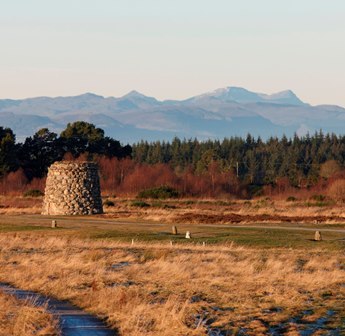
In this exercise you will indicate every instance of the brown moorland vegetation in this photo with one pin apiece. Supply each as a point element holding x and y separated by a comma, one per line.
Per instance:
<point>208,211</point>
<point>127,177</point>
<point>158,289</point>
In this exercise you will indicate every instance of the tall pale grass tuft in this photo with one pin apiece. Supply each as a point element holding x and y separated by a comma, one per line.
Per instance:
<point>19,318</point>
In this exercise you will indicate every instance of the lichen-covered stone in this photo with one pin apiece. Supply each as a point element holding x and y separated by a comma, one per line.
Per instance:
<point>72,188</point>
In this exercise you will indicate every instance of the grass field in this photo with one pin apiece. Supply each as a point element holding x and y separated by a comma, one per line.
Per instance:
<point>246,280</point>
<point>283,235</point>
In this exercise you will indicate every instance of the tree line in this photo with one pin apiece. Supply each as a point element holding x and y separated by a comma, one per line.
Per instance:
<point>234,165</point>
<point>300,160</point>
<point>38,152</point>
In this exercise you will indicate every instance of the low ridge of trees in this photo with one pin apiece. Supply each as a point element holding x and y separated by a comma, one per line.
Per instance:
<point>38,152</point>
<point>300,160</point>
<point>233,166</point>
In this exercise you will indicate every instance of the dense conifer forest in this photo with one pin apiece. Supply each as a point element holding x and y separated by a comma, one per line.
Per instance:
<point>253,160</point>
<point>233,165</point>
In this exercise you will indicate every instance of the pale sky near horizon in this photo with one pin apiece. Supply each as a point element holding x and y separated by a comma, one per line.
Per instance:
<point>172,49</point>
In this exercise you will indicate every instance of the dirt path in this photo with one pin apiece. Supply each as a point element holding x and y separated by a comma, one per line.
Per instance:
<point>275,227</point>
<point>231,226</point>
<point>288,226</point>
<point>97,222</point>
<point>73,320</point>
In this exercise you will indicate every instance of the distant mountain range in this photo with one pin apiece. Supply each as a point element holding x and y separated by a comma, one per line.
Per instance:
<point>226,112</point>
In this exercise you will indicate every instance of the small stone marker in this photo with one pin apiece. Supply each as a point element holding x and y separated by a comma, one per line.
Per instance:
<point>203,244</point>
<point>188,235</point>
<point>54,224</point>
<point>171,243</point>
<point>132,241</point>
<point>318,236</point>
<point>174,230</point>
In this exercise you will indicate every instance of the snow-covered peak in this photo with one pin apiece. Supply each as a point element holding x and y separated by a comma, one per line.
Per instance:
<point>244,96</point>
<point>284,97</point>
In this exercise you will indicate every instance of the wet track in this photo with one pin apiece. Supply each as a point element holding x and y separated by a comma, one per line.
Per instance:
<point>73,320</point>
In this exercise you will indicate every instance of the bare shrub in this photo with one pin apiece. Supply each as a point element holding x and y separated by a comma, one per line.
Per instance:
<point>337,190</point>
<point>14,182</point>
<point>329,168</point>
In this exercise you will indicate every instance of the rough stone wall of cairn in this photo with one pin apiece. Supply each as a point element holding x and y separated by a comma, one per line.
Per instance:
<point>72,188</point>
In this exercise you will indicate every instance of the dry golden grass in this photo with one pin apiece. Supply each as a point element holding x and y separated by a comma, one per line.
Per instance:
<point>18,318</point>
<point>20,205</point>
<point>156,289</point>
<point>263,210</point>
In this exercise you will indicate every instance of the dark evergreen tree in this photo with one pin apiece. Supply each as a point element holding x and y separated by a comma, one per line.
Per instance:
<point>8,151</point>
<point>39,152</point>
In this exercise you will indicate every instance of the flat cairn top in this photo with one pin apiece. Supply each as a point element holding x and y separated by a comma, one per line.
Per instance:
<point>73,165</point>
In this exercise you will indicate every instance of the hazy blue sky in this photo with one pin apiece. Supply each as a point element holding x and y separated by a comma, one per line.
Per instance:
<point>172,48</point>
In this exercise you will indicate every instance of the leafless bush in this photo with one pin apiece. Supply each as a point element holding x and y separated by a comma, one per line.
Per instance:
<point>337,190</point>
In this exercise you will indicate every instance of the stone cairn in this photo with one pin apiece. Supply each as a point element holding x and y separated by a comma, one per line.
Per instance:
<point>72,188</point>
